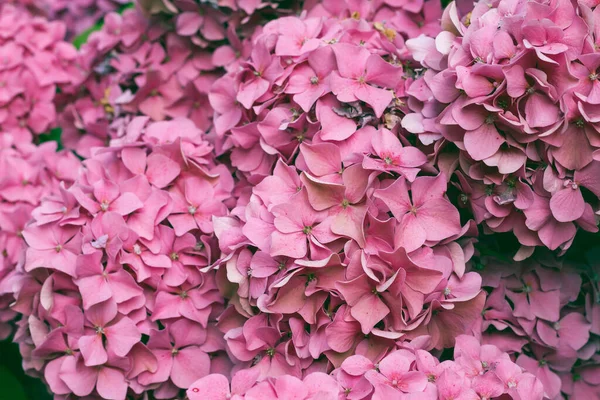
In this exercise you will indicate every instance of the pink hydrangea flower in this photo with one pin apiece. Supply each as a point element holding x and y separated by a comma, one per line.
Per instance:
<point>36,62</point>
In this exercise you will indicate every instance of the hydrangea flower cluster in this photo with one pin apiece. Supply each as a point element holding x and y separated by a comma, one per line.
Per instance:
<point>508,93</point>
<point>34,62</point>
<point>77,15</point>
<point>336,246</point>
<point>114,296</point>
<point>548,317</point>
<point>136,66</point>
<point>283,199</point>
<point>37,172</point>
<point>477,372</point>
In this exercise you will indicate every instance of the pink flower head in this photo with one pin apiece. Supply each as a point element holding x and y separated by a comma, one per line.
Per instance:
<point>359,74</point>
<point>393,157</point>
<point>394,372</point>
<point>180,352</point>
<point>104,334</point>
<point>426,217</point>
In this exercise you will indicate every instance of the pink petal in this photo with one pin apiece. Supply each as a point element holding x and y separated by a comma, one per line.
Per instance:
<point>439,218</point>
<point>79,378</point>
<point>188,23</point>
<point>189,364</point>
<point>483,142</point>
<point>161,170</point>
<point>126,204</point>
<point>213,386</point>
<point>567,205</point>
<point>540,111</point>
<point>92,350</point>
<point>369,310</point>
<point>122,336</point>
<point>111,384</point>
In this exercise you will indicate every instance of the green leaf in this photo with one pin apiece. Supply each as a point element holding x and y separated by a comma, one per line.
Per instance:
<point>53,136</point>
<point>11,387</point>
<point>83,37</point>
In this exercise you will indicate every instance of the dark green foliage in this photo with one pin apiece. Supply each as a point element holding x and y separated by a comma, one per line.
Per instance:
<point>13,381</point>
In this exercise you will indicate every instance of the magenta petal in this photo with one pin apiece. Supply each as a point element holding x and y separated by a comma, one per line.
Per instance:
<point>189,364</point>
<point>574,330</point>
<point>92,350</point>
<point>94,290</point>
<point>398,362</point>
<point>288,244</point>
<point>411,235</point>
<point>161,170</point>
<point>79,378</point>
<point>213,386</point>
<point>126,204</point>
<point>540,111</point>
<point>439,218</point>
<point>188,23</point>
<point>483,142</point>
<point>111,384</point>
<point>567,205</point>
<point>396,198</point>
<point>377,98</point>
<point>369,310</point>
<point>122,336</point>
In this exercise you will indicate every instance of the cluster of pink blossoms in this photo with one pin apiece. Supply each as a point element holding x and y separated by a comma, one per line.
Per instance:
<point>478,372</point>
<point>267,210</point>
<point>136,66</point>
<point>36,172</point>
<point>508,97</point>
<point>77,15</point>
<point>34,61</point>
<point>549,318</point>
<point>113,294</point>
<point>336,246</point>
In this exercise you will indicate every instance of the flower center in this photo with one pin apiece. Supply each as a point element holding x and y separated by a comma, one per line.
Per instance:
<point>174,256</point>
<point>137,249</point>
<point>307,230</point>
<point>104,205</point>
<point>447,291</point>
<point>314,80</point>
<point>556,326</point>
<point>192,210</point>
